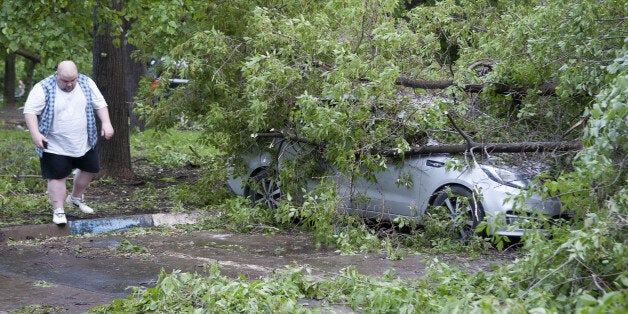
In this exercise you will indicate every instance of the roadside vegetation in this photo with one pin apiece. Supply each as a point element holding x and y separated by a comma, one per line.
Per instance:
<point>289,62</point>
<point>508,71</point>
<point>579,268</point>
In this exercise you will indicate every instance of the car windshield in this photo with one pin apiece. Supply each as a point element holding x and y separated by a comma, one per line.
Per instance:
<point>525,168</point>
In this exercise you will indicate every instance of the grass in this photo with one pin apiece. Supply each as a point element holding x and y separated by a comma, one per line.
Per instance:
<point>167,179</point>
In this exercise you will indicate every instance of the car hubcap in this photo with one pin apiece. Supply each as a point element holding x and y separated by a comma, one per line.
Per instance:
<point>268,192</point>
<point>460,214</point>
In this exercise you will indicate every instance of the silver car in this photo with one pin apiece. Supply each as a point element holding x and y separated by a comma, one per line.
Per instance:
<point>410,187</point>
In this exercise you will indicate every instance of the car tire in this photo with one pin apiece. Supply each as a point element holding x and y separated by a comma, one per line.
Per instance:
<point>460,201</point>
<point>263,188</point>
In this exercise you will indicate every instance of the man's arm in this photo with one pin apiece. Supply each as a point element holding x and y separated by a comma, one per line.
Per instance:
<point>105,124</point>
<point>33,127</point>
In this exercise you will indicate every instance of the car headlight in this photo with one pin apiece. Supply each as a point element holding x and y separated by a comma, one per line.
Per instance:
<point>506,177</point>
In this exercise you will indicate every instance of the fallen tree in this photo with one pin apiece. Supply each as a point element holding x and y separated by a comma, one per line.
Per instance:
<point>470,146</point>
<point>518,147</point>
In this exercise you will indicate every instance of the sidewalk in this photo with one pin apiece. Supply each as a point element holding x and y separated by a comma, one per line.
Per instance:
<point>95,226</point>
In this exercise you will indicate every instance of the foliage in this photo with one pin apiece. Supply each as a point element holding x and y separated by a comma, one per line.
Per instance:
<point>443,289</point>
<point>51,29</point>
<point>332,80</point>
<point>326,70</point>
<point>14,164</point>
<point>272,73</point>
<point>171,148</point>
<point>127,247</point>
<point>37,308</point>
<point>237,214</point>
<point>19,174</point>
<point>176,148</point>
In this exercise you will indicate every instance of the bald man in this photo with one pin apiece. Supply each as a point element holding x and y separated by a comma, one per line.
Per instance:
<point>60,114</point>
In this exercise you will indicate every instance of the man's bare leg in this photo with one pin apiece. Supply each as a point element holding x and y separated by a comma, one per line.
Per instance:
<point>56,192</point>
<point>81,182</point>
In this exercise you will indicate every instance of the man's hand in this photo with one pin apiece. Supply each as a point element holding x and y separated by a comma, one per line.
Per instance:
<point>106,130</point>
<point>31,123</point>
<point>39,140</point>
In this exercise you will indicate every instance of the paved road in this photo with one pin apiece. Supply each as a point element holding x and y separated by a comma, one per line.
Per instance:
<point>75,273</point>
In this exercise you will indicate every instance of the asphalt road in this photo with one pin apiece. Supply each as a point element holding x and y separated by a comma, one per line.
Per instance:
<point>73,273</point>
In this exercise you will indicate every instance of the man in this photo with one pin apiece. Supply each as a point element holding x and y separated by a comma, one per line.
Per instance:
<point>59,113</point>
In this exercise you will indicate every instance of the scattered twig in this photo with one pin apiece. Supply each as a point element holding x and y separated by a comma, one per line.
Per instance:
<point>20,176</point>
<point>573,127</point>
<point>194,151</point>
<point>538,282</point>
<point>594,276</point>
<point>470,143</point>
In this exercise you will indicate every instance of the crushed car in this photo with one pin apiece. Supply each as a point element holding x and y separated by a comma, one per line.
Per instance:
<point>411,187</point>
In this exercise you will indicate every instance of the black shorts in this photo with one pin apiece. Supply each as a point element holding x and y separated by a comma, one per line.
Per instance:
<point>59,166</point>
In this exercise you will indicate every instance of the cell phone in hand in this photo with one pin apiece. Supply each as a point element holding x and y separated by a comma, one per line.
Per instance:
<point>45,144</point>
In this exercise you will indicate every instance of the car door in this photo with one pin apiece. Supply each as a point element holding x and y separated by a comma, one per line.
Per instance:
<point>389,193</point>
<point>403,188</point>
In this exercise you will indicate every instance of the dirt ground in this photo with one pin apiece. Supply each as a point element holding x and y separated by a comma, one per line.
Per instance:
<point>75,273</point>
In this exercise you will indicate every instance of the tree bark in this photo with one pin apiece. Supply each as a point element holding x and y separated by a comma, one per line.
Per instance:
<point>29,55</point>
<point>9,80</point>
<point>108,68</point>
<point>546,89</point>
<point>521,147</point>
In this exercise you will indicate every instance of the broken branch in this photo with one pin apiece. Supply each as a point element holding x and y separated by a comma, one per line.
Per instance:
<point>545,89</point>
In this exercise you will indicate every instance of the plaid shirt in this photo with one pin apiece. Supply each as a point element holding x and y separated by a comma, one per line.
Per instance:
<point>45,119</point>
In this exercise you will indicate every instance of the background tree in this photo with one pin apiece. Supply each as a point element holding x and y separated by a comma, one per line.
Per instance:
<point>49,31</point>
<point>109,73</point>
<point>58,30</point>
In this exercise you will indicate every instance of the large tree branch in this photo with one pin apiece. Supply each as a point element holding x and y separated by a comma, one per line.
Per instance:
<point>521,147</point>
<point>470,146</point>
<point>29,55</point>
<point>546,89</point>
<point>424,84</point>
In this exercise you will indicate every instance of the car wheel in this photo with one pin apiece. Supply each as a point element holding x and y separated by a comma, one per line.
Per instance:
<point>263,188</point>
<point>460,207</point>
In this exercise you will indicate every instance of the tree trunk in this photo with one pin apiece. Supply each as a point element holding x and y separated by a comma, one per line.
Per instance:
<point>108,68</point>
<point>492,148</point>
<point>9,80</point>
<point>34,59</point>
<point>29,77</point>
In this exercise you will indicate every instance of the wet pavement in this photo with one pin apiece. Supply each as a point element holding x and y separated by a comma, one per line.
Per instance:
<point>77,272</point>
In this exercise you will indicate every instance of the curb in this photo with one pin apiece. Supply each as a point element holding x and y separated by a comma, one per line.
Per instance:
<point>95,226</point>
